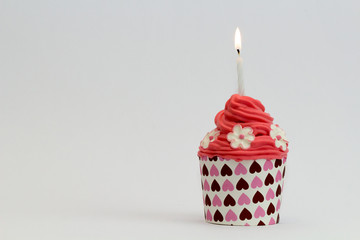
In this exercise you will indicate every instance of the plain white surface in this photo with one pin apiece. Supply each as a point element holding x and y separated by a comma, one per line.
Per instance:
<point>103,105</point>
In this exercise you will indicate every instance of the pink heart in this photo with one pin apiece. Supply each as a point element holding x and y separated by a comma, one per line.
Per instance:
<point>246,224</point>
<point>214,171</point>
<point>272,221</point>
<point>244,199</point>
<point>284,160</point>
<point>208,216</point>
<point>216,201</point>
<point>256,182</point>
<point>206,185</point>
<point>270,194</point>
<point>268,165</point>
<point>259,212</point>
<point>278,176</point>
<point>278,205</point>
<point>240,169</point>
<point>221,159</point>
<point>227,185</point>
<point>230,216</point>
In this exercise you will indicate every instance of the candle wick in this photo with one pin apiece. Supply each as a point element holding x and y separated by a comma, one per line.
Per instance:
<point>238,51</point>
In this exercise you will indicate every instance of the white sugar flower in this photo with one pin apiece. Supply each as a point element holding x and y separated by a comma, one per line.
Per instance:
<point>278,135</point>
<point>241,137</point>
<point>209,137</point>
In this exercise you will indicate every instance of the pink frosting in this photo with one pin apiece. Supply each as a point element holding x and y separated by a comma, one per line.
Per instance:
<point>247,112</point>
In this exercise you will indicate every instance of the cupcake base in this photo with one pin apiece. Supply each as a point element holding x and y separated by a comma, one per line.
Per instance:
<point>246,193</point>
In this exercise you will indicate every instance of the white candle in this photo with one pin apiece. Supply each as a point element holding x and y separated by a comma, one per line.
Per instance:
<point>239,62</point>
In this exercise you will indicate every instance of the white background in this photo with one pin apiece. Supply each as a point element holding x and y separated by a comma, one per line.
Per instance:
<point>103,105</point>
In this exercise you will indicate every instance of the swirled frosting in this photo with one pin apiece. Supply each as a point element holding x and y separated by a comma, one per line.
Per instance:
<point>246,112</point>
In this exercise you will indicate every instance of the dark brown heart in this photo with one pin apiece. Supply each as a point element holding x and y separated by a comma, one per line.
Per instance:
<point>215,186</point>
<point>269,179</point>
<point>205,171</point>
<point>258,197</point>
<point>284,172</point>
<point>215,158</point>
<point>261,223</point>
<point>229,201</point>
<point>245,214</point>
<point>202,186</point>
<point>271,209</point>
<point>242,184</point>
<point>218,216</point>
<point>278,218</point>
<point>255,167</point>
<point>207,201</point>
<point>225,170</point>
<point>278,163</point>
<point>278,191</point>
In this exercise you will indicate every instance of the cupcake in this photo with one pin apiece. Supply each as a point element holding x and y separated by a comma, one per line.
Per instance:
<point>242,165</point>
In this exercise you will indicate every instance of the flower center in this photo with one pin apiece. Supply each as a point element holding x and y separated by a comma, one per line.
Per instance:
<point>242,136</point>
<point>211,138</point>
<point>278,137</point>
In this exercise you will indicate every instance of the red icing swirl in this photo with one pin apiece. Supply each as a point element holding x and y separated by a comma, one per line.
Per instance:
<point>247,112</point>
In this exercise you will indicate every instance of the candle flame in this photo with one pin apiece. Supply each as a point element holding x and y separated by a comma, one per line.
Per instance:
<point>237,40</point>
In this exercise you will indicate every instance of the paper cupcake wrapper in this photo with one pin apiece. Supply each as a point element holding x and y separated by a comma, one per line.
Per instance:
<point>246,193</point>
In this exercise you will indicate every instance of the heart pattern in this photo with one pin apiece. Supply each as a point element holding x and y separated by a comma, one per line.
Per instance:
<point>206,186</point>
<point>278,205</point>
<point>214,171</point>
<point>216,201</point>
<point>208,216</point>
<point>284,172</point>
<point>278,163</point>
<point>218,216</point>
<point>245,214</point>
<point>272,221</point>
<point>242,184</point>
<point>244,199</point>
<point>259,212</point>
<point>278,191</point>
<point>240,169</point>
<point>255,167</point>
<point>258,197</point>
<point>261,223</point>
<point>226,171</point>
<point>227,186</point>
<point>229,201</point>
<point>215,186</point>
<point>246,193</point>
<point>269,180</point>
<point>278,176</point>
<point>268,165</point>
<point>271,209</point>
<point>270,194</point>
<point>230,216</point>
<point>256,182</point>
<point>207,201</point>
<point>205,171</point>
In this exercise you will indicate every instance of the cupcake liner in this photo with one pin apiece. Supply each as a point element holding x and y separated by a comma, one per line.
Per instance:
<point>246,193</point>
